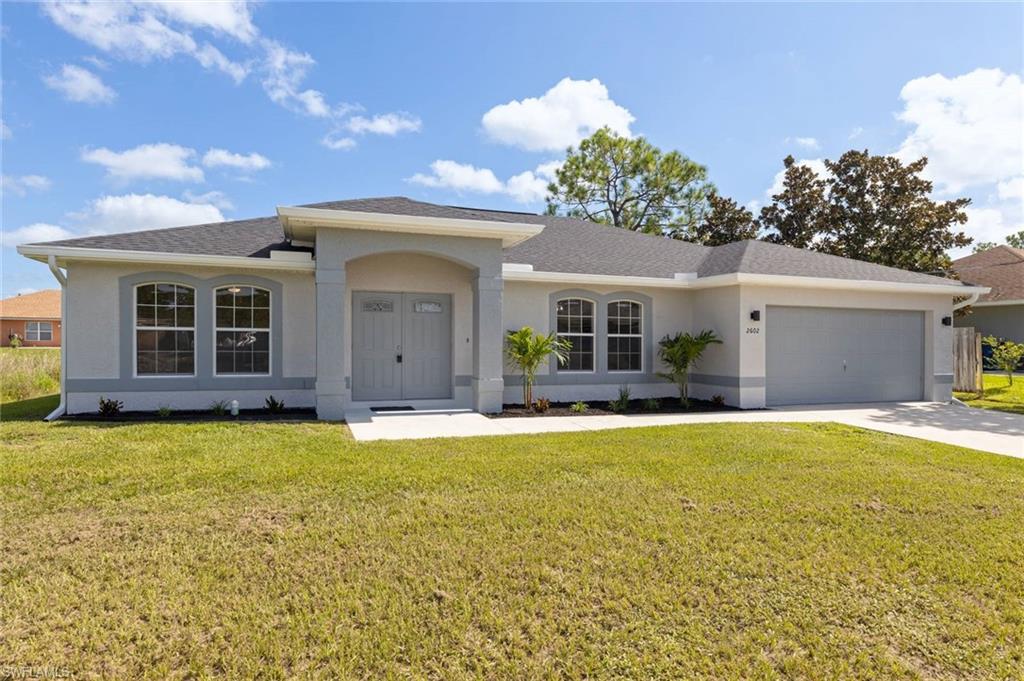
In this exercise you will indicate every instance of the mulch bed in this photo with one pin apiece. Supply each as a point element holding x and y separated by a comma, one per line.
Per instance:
<point>668,405</point>
<point>193,416</point>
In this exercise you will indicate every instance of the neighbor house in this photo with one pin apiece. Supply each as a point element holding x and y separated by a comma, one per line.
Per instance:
<point>391,301</point>
<point>1000,312</point>
<point>33,317</point>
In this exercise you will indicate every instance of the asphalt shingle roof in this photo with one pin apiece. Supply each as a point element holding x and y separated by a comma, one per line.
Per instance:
<point>1000,268</point>
<point>565,245</point>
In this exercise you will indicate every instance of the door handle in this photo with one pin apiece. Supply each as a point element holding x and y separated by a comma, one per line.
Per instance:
<point>398,358</point>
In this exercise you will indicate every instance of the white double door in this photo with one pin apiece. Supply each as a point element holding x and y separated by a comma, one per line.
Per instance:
<point>401,346</point>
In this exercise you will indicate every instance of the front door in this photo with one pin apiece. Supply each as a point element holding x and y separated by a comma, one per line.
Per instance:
<point>401,346</point>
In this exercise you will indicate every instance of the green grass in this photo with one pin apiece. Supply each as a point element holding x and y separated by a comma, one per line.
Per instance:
<point>999,394</point>
<point>718,551</point>
<point>28,372</point>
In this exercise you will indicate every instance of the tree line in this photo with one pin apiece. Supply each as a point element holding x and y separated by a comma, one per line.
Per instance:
<point>864,206</point>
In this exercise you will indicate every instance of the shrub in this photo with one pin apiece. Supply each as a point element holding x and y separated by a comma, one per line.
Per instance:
<point>274,406</point>
<point>718,400</point>
<point>579,407</point>
<point>1006,355</point>
<point>220,407</point>
<point>15,340</point>
<point>110,407</point>
<point>680,352</point>
<point>163,411</point>
<point>652,404</point>
<point>528,351</point>
<point>620,403</point>
<point>541,405</point>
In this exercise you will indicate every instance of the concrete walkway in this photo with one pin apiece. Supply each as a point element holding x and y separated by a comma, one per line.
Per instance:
<point>982,429</point>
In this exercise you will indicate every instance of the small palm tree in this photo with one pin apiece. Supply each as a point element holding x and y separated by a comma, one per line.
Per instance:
<point>528,351</point>
<point>679,353</point>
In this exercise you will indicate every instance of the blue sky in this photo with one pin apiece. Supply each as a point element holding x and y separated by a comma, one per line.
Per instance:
<point>122,117</point>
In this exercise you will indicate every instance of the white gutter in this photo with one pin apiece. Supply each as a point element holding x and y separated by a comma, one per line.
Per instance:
<point>510,233</point>
<point>971,299</point>
<point>999,303</point>
<point>62,279</point>
<point>518,272</point>
<point>43,253</point>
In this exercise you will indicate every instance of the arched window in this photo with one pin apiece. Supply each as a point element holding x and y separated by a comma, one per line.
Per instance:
<point>625,336</point>
<point>242,336</point>
<point>574,319</point>
<point>165,330</point>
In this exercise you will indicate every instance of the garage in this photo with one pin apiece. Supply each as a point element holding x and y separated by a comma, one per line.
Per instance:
<point>817,355</point>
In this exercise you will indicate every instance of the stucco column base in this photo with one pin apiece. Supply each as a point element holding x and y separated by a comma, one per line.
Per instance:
<point>487,395</point>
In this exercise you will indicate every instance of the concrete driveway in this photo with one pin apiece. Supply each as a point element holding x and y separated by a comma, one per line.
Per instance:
<point>981,429</point>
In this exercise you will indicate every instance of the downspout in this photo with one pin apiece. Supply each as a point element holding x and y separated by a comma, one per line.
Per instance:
<point>970,300</point>
<point>62,279</point>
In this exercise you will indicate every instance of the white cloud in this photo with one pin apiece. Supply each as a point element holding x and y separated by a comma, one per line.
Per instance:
<point>855,133</point>
<point>36,232</point>
<point>805,142</point>
<point>1012,189</point>
<point>147,161</point>
<point>986,224</point>
<point>124,213</point>
<point>526,187</point>
<point>968,126</point>
<point>5,132</point>
<point>222,157</point>
<point>562,116</point>
<point>141,31</point>
<point>285,70</point>
<point>213,198</point>
<point>815,164</point>
<point>228,17</point>
<point>337,142</point>
<point>384,124</point>
<point>531,186</point>
<point>80,85</point>
<point>131,212</point>
<point>460,177</point>
<point>23,184</point>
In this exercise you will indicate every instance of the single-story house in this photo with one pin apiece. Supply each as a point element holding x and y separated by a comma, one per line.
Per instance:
<point>32,317</point>
<point>1000,312</point>
<point>395,302</point>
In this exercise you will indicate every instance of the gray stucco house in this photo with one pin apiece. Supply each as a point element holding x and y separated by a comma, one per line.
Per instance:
<point>1000,312</point>
<point>391,301</point>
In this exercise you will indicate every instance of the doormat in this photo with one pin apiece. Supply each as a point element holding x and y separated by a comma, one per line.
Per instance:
<point>377,409</point>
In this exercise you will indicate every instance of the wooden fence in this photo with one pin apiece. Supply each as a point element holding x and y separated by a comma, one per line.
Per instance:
<point>966,360</point>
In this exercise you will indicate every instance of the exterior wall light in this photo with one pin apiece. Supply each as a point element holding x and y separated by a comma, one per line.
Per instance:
<point>947,321</point>
<point>755,316</point>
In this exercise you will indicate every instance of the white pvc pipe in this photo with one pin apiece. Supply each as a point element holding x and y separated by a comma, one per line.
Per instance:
<point>62,279</point>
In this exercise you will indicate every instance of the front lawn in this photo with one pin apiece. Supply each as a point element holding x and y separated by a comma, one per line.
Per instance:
<point>719,551</point>
<point>999,394</point>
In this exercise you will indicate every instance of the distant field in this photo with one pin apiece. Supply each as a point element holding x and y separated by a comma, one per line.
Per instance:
<point>28,372</point>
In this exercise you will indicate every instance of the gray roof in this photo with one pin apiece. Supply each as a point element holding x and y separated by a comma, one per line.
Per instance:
<point>565,245</point>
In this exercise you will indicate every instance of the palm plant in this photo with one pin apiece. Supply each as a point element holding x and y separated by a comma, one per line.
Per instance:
<point>527,351</point>
<point>679,353</point>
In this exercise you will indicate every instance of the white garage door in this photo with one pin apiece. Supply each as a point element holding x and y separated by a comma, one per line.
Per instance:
<point>818,355</point>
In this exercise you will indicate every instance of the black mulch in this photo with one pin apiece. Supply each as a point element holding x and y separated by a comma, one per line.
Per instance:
<point>197,415</point>
<point>668,405</point>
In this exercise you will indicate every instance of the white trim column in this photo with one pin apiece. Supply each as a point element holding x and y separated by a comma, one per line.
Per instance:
<point>330,346</point>
<point>488,344</point>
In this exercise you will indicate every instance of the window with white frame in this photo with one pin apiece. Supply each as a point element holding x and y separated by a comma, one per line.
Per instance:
<point>574,322</point>
<point>625,336</point>
<point>242,335</point>
<point>165,330</point>
<point>39,331</point>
